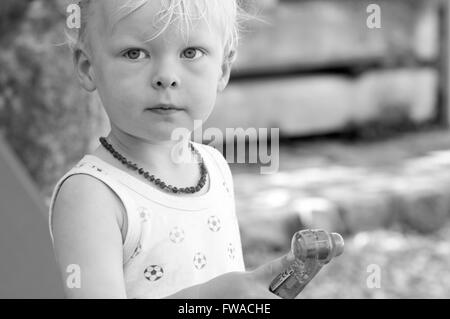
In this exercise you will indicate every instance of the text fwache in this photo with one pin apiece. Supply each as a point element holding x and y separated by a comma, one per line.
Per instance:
<point>226,308</point>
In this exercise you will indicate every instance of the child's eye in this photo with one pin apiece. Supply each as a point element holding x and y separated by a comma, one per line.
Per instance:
<point>135,54</point>
<point>193,53</point>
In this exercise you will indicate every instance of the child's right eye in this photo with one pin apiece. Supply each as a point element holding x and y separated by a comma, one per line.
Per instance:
<point>135,54</point>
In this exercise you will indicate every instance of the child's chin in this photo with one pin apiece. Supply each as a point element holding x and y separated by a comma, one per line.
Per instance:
<point>167,132</point>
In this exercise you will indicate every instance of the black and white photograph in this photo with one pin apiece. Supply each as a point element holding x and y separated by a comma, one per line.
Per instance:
<point>225,149</point>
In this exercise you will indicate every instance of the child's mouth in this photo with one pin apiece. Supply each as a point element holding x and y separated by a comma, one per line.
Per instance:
<point>165,109</point>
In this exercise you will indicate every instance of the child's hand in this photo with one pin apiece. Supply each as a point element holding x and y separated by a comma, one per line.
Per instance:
<point>240,285</point>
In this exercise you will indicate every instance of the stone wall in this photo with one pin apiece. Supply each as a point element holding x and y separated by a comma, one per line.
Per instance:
<point>314,67</point>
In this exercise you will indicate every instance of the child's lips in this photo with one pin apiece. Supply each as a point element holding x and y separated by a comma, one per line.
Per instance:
<point>165,109</point>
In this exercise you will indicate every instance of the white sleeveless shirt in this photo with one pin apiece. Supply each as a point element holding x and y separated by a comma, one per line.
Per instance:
<point>172,242</point>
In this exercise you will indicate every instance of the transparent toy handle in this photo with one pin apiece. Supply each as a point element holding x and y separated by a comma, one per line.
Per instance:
<point>312,249</point>
<point>316,244</point>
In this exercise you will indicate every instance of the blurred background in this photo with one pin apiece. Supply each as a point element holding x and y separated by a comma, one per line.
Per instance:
<point>363,115</point>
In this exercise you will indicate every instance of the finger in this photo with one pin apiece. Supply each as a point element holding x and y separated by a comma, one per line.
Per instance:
<point>270,270</point>
<point>267,294</point>
<point>271,295</point>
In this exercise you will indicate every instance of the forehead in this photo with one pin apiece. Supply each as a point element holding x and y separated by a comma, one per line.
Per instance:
<point>145,19</point>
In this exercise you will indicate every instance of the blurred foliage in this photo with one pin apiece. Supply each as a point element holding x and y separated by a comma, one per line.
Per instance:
<point>44,114</point>
<point>11,14</point>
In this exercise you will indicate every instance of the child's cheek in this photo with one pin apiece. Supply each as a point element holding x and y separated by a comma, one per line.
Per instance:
<point>203,93</point>
<point>124,79</point>
<point>120,89</point>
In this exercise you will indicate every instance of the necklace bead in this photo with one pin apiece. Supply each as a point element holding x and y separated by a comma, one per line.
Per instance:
<point>152,178</point>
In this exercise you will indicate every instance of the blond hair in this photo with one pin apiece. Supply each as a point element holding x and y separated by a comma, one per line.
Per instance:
<point>227,14</point>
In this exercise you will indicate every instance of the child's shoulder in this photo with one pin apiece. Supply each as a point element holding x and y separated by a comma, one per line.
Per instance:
<point>83,185</point>
<point>83,181</point>
<point>216,154</point>
<point>220,160</point>
<point>84,196</point>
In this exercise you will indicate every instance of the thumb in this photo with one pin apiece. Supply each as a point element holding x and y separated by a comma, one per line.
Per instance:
<point>270,270</point>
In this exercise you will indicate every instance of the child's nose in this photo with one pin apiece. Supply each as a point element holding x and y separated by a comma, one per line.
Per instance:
<point>165,81</point>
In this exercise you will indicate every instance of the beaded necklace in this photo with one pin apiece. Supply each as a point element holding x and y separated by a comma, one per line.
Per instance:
<point>152,178</point>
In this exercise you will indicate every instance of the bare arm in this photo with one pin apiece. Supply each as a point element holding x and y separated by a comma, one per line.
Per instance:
<point>87,233</point>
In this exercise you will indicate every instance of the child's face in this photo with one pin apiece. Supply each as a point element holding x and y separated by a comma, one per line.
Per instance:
<point>132,75</point>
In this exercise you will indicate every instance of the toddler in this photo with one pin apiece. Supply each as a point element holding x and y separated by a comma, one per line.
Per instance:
<point>135,217</point>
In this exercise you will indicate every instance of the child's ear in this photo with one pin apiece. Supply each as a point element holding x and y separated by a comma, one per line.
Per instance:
<point>83,69</point>
<point>226,70</point>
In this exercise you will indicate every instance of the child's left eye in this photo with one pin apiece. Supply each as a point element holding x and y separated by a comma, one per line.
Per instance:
<point>192,53</point>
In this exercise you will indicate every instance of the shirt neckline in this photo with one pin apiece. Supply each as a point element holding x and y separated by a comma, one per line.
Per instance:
<point>189,203</point>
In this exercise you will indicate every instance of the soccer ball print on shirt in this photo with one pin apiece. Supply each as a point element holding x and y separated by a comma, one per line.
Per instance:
<point>199,260</point>
<point>176,235</point>
<point>226,188</point>
<point>214,223</point>
<point>143,214</point>
<point>153,272</point>
<point>231,251</point>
